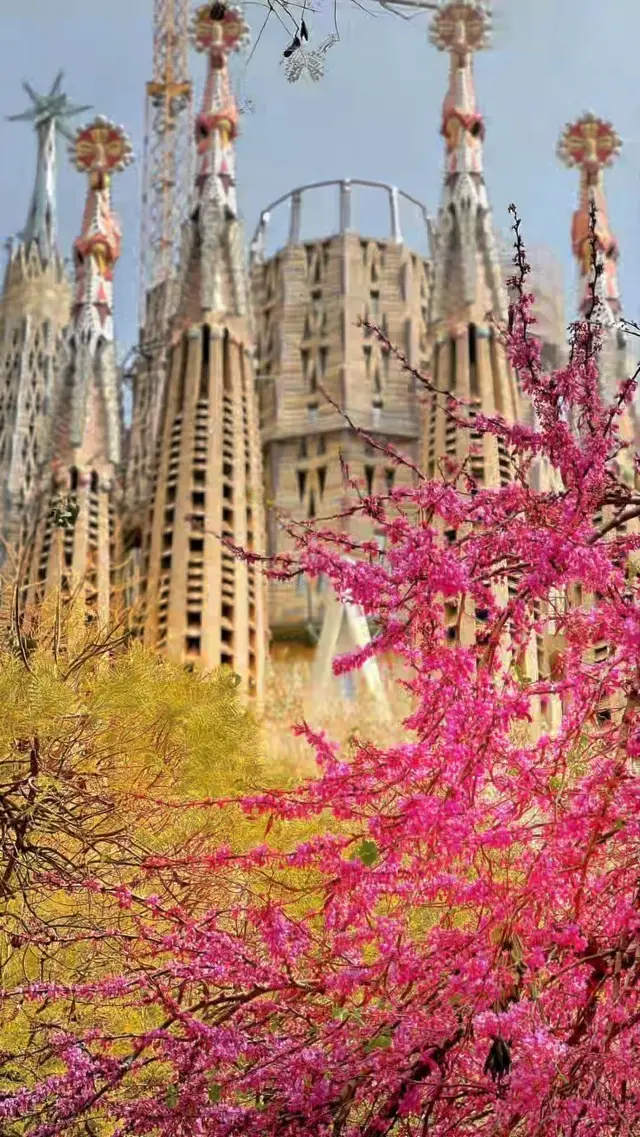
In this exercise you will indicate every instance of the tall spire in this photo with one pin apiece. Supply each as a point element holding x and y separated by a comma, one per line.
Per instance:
<point>214,270</point>
<point>591,144</point>
<point>467,270</point>
<point>50,115</point>
<point>468,292</point>
<point>467,358</point>
<point>98,150</point>
<point>80,559</point>
<point>203,605</point>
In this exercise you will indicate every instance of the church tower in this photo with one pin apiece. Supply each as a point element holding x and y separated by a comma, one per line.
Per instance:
<point>468,292</point>
<point>80,558</point>
<point>310,298</point>
<point>590,144</point>
<point>34,309</point>
<point>468,300</point>
<point>204,605</point>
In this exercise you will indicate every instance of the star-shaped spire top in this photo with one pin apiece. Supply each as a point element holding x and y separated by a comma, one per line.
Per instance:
<point>47,109</point>
<point>51,115</point>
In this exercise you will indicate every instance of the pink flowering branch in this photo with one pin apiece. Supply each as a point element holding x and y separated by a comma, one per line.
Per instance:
<point>445,936</point>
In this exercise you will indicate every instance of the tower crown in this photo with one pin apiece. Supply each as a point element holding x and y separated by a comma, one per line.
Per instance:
<point>467,277</point>
<point>50,115</point>
<point>218,30</point>
<point>213,269</point>
<point>591,144</point>
<point>98,150</point>
<point>462,27</point>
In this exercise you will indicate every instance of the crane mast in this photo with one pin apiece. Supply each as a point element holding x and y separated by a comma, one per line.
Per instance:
<point>167,179</point>
<point>167,149</point>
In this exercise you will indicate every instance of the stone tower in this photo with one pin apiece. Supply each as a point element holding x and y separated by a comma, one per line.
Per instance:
<point>203,605</point>
<point>34,309</point>
<point>82,558</point>
<point>308,299</point>
<point>468,291</point>
<point>468,299</point>
<point>590,144</point>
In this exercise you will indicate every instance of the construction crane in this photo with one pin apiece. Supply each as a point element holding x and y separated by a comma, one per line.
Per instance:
<point>167,167</point>
<point>167,147</point>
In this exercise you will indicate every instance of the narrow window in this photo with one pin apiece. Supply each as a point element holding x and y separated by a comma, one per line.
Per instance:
<point>205,364</point>
<point>473,368</point>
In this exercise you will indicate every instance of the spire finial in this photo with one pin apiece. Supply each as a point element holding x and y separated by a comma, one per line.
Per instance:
<point>462,27</point>
<point>218,30</point>
<point>590,144</point>
<point>50,115</point>
<point>98,149</point>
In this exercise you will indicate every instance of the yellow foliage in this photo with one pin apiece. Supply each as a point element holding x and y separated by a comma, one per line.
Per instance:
<point>108,757</point>
<point>99,755</point>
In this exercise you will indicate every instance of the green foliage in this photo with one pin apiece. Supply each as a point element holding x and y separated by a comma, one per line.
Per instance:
<point>367,852</point>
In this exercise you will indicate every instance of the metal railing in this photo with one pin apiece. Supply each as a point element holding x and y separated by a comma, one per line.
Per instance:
<point>295,201</point>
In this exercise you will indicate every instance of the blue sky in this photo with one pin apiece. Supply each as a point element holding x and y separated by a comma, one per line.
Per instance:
<point>375,114</point>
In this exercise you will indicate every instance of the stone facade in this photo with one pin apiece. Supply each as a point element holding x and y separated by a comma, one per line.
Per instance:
<point>34,311</point>
<point>203,605</point>
<point>319,365</point>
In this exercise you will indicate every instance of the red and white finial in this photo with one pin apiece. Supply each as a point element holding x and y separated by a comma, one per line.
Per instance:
<point>99,150</point>
<point>590,144</point>
<point>462,27</point>
<point>218,30</point>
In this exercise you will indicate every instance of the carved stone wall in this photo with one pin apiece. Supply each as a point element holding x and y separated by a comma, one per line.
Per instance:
<point>308,302</point>
<point>34,310</point>
<point>203,605</point>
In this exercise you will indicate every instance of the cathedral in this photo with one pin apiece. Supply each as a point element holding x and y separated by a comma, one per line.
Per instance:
<point>163,515</point>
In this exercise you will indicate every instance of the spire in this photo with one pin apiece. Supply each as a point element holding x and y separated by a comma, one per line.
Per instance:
<point>468,281</point>
<point>50,115</point>
<point>467,357</point>
<point>461,28</point>
<point>591,144</point>
<point>216,244</point>
<point>82,560</point>
<point>203,605</point>
<point>98,150</point>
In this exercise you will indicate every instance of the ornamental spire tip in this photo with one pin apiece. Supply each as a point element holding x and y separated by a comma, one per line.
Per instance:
<point>461,26</point>
<point>219,29</point>
<point>50,115</point>
<point>589,142</point>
